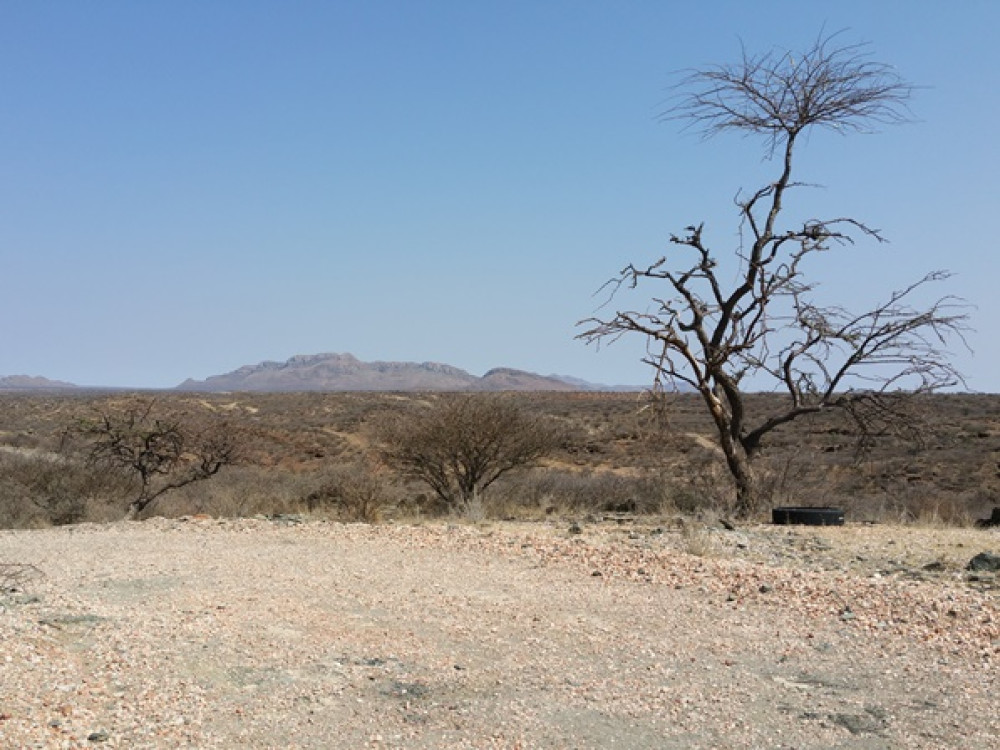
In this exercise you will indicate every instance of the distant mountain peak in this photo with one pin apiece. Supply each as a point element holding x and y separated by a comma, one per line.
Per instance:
<point>345,372</point>
<point>31,382</point>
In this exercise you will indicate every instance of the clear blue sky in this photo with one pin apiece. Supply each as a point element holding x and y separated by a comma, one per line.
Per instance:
<point>187,187</point>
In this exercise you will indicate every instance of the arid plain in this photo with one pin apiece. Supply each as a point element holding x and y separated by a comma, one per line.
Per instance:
<point>593,601</point>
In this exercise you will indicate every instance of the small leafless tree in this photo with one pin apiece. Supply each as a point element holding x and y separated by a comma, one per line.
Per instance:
<point>714,336</point>
<point>158,453</point>
<point>462,444</point>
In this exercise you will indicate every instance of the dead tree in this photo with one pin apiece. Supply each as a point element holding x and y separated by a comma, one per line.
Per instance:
<point>716,335</point>
<point>159,453</point>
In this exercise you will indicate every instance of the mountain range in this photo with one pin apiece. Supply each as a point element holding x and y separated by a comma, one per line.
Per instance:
<point>345,372</point>
<point>31,383</point>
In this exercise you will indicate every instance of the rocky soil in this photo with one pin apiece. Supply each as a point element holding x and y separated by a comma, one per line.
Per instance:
<point>261,633</point>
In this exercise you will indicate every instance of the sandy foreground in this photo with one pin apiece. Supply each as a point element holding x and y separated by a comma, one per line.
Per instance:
<point>254,633</point>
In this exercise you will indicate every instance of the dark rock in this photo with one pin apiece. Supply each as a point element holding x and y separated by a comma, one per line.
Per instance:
<point>623,507</point>
<point>406,690</point>
<point>984,561</point>
<point>98,737</point>
<point>806,515</point>
<point>859,723</point>
<point>993,520</point>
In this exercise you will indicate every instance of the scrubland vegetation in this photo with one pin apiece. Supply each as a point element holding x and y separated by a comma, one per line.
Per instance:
<point>327,455</point>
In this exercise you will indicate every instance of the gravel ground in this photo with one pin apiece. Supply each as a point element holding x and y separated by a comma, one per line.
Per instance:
<point>257,634</point>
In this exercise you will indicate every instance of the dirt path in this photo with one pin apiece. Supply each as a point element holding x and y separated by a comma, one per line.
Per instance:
<point>237,634</point>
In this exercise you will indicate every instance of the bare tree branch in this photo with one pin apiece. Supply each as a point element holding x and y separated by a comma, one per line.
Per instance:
<point>712,337</point>
<point>159,453</point>
<point>778,94</point>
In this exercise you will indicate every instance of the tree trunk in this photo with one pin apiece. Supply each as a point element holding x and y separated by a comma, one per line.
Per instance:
<point>739,465</point>
<point>737,457</point>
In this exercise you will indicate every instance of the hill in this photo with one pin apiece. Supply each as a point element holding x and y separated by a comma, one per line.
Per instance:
<point>345,372</point>
<point>31,383</point>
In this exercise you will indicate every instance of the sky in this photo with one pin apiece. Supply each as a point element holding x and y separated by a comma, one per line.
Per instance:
<point>188,186</point>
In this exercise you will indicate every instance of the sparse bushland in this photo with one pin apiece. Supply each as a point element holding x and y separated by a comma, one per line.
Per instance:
<point>614,457</point>
<point>559,492</point>
<point>243,491</point>
<point>38,488</point>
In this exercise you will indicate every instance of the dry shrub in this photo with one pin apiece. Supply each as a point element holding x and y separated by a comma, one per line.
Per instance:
<point>416,505</point>
<point>560,492</point>
<point>697,540</point>
<point>354,492</point>
<point>461,444</point>
<point>161,449</point>
<point>243,491</point>
<point>903,502</point>
<point>703,484</point>
<point>784,479</point>
<point>39,488</point>
<point>979,503</point>
<point>345,492</point>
